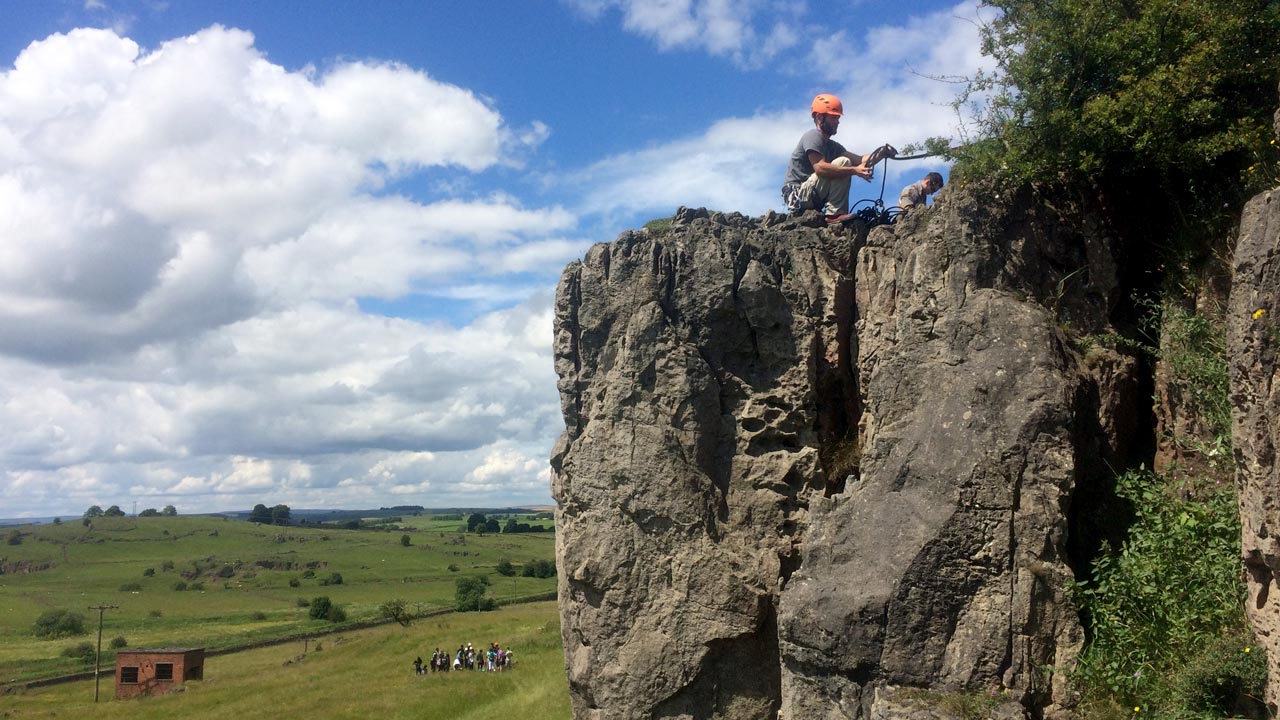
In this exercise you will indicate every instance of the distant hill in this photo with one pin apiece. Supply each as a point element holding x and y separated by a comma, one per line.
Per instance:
<point>328,515</point>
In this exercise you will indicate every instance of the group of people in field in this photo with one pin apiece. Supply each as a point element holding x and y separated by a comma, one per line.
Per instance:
<point>495,659</point>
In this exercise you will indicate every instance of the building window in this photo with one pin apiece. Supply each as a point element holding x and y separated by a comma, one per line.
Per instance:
<point>128,675</point>
<point>164,671</point>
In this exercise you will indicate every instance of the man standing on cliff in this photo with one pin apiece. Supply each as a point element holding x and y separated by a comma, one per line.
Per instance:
<point>821,169</point>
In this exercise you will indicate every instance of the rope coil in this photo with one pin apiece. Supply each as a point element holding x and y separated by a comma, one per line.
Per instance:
<point>876,213</point>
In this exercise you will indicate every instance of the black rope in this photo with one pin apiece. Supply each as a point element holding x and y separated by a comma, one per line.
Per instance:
<point>913,157</point>
<point>924,155</point>
<point>876,213</point>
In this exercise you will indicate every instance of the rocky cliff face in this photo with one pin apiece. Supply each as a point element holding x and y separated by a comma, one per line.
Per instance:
<point>1253,336</point>
<point>702,370</point>
<point>797,479</point>
<point>944,564</point>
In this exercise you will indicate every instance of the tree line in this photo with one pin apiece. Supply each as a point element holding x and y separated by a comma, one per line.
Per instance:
<point>478,523</point>
<point>96,511</point>
<point>276,515</point>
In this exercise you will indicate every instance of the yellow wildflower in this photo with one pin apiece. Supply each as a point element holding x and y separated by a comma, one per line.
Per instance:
<point>1259,313</point>
<point>1137,708</point>
<point>1246,649</point>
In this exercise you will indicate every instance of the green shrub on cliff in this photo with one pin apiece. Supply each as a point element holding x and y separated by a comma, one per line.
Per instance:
<point>1152,87</point>
<point>1162,109</point>
<point>1193,351</point>
<point>1165,610</point>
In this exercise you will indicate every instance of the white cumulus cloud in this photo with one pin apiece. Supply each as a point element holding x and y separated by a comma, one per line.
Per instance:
<point>748,32</point>
<point>190,235</point>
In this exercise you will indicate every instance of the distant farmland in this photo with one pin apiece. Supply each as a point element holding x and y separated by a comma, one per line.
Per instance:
<point>354,675</point>
<point>220,584</point>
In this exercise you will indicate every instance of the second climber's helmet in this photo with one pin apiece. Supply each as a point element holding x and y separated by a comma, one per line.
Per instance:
<point>825,104</point>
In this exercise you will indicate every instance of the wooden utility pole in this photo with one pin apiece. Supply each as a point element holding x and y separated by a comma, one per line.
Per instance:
<point>97,660</point>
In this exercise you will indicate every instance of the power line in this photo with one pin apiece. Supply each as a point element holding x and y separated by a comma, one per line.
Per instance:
<point>97,660</point>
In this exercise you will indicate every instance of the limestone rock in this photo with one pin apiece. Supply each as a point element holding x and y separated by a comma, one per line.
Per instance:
<point>791,479</point>
<point>701,370</point>
<point>1253,337</point>
<point>944,565</point>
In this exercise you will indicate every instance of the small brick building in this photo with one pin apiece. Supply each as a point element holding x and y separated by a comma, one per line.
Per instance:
<point>157,670</point>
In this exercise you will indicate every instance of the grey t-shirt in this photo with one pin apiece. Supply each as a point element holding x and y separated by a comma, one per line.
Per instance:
<point>912,195</point>
<point>800,168</point>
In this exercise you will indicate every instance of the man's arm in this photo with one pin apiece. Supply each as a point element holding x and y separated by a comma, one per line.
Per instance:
<point>824,169</point>
<point>875,156</point>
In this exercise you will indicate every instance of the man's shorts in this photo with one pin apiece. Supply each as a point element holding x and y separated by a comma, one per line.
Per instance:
<point>793,198</point>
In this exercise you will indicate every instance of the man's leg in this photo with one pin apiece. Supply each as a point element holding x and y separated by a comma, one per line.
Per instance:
<point>831,196</point>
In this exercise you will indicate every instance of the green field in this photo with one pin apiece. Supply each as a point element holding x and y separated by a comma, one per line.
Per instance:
<point>245,571</point>
<point>359,675</point>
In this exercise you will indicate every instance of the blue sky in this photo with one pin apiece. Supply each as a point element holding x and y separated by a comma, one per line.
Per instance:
<point>306,252</point>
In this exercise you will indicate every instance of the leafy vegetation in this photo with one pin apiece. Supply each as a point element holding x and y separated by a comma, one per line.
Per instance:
<point>1167,629</point>
<point>658,225</point>
<point>539,569</point>
<point>1165,611</point>
<point>1162,109</point>
<point>1175,88</point>
<point>323,609</point>
<point>59,623</point>
<point>470,595</point>
<point>81,651</point>
<point>276,515</point>
<point>1193,350</point>
<point>396,610</point>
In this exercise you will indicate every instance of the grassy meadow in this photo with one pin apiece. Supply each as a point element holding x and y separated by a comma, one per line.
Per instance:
<point>354,675</point>
<point>245,582</point>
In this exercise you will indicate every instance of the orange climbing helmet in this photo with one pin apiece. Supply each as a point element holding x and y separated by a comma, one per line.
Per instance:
<point>825,104</point>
